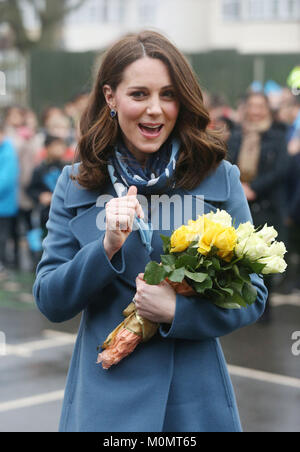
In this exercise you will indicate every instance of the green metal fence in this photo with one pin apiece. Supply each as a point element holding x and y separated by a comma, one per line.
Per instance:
<point>55,77</point>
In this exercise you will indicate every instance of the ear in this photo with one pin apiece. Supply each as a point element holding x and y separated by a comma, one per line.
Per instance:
<point>109,96</point>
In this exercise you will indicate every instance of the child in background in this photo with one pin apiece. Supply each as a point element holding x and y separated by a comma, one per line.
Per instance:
<point>9,180</point>
<point>45,176</point>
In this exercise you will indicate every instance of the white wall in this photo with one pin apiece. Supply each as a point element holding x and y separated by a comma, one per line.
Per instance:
<point>253,37</point>
<point>194,25</point>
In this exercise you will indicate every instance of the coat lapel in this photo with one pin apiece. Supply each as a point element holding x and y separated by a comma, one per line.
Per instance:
<point>87,226</point>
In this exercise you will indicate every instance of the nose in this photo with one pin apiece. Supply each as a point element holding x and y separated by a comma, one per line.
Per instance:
<point>154,106</point>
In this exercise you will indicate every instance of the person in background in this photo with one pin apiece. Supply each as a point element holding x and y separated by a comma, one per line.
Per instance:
<point>218,106</point>
<point>13,123</point>
<point>76,106</point>
<point>290,114</point>
<point>15,130</point>
<point>226,125</point>
<point>56,123</point>
<point>258,148</point>
<point>292,281</point>
<point>45,176</point>
<point>9,176</point>
<point>32,141</point>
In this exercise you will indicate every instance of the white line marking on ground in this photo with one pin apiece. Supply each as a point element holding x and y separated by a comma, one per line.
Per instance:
<point>31,401</point>
<point>267,377</point>
<point>52,339</point>
<point>56,396</point>
<point>283,300</point>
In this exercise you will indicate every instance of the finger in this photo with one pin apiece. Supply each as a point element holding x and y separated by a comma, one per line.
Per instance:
<point>121,210</point>
<point>131,203</point>
<point>118,223</point>
<point>140,277</point>
<point>132,191</point>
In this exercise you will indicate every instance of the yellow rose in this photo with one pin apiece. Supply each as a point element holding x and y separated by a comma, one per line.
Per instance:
<point>226,243</point>
<point>223,238</point>
<point>195,228</point>
<point>211,231</point>
<point>180,239</point>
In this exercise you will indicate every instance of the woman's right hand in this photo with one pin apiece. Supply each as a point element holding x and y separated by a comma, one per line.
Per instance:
<point>120,213</point>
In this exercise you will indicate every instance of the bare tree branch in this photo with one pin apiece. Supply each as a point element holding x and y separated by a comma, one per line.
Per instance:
<point>50,16</point>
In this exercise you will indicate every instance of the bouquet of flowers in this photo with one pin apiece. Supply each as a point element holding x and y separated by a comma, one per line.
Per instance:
<point>206,257</point>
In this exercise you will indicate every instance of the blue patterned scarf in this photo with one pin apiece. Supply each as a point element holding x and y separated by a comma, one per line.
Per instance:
<point>125,170</point>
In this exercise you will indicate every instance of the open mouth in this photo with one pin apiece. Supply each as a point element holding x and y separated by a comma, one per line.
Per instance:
<point>150,130</point>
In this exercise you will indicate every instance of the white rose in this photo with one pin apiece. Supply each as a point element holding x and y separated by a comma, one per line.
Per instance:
<point>252,247</point>
<point>277,249</point>
<point>274,264</point>
<point>222,217</point>
<point>268,234</point>
<point>244,231</point>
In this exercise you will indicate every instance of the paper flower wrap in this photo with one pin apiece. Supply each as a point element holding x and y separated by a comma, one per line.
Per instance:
<point>208,257</point>
<point>132,331</point>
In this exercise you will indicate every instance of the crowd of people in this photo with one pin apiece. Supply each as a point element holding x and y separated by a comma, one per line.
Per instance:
<point>33,153</point>
<point>263,137</point>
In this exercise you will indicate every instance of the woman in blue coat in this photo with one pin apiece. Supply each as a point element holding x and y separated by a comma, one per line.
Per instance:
<point>145,133</point>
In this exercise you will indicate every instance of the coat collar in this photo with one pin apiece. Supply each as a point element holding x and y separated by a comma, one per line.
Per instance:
<point>215,187</point>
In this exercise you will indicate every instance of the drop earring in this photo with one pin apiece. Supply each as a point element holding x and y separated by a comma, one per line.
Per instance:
<point>113,113</point>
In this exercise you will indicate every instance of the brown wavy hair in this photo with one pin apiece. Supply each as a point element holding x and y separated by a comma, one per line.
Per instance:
<point>202,149</point>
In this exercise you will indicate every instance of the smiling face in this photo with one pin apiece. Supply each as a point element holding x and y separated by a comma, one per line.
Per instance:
<point>257,109</point>
<point>146,104</point>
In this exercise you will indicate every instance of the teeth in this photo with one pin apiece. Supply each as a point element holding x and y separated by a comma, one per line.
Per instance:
<point>151,127</point>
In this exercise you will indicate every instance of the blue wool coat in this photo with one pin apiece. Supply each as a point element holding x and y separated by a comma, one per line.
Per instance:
<point>178,381</point>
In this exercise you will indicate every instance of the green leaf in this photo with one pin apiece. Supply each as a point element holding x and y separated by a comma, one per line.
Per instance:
<point>216,263</point>
<point>254,267</point>
<point>202,287</point>
<point>168,259</point>
<point>227,304</point>
<point>226,290</point>
<point>168,269</point>
<point>198,277</point>
<point>249,293</point>
<point>237,298</point>
<point>191,251</point>
<point>186,260</point>
<point>237,286</point>
<point>257,268</point>
<point>166,243</point>
<point>244,273</point>
<point>236,271</point>
<point>154,273</point>
<point>211,272</point>
<point>177,275</point>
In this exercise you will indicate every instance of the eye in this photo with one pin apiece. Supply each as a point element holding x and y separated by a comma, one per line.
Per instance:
<point>138,94</point>
<point>169,94</point>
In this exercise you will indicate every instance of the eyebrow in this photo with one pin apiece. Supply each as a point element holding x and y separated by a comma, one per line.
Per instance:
<point>145,87</point>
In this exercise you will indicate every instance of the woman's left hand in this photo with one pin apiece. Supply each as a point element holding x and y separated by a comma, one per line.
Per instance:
<point>155,303</point>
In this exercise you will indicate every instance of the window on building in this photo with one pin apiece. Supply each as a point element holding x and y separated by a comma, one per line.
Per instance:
<point>231,9</point>
<point>260,10</point>
<point>98,11</point>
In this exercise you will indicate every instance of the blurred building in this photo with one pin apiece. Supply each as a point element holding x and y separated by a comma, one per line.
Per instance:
<point>249,26</point>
